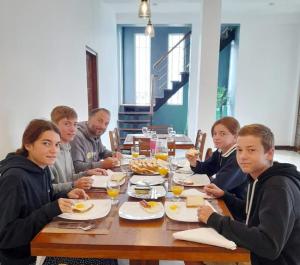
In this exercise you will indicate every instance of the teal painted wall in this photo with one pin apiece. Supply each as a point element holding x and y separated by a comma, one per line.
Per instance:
<point>174,115</point>
<point>224,60</point>
<point>168,114</point>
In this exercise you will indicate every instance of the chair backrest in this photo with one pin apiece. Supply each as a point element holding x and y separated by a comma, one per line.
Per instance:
<point>144,146</point>
<point>114,143</point>
<point>117,134</point>
<point>200,142</point>
<point>143,143</point>
<point>171,148</point>
<point>160,129</point>
<point>208,153</point>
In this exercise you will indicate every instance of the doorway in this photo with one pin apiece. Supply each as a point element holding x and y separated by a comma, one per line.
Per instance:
<point>92,80</point>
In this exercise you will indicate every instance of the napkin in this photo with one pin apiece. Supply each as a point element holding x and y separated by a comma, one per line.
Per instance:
<point>205,236</point>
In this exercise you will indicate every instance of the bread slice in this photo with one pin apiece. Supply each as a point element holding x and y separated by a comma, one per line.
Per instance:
<point>142,190</point>
<point>194,201</point>
<point>117,176</point>
<point>192,152</point>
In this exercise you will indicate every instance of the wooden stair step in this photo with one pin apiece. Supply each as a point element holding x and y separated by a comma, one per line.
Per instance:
<point>134,113</point>
<point>134,121</point>
<point>130,129</point>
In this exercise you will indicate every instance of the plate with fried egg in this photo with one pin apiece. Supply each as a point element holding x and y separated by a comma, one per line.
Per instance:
<point>88,210</point>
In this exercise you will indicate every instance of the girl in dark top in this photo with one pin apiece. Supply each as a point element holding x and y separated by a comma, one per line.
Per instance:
<point>27,199</point>
<point>222,163</point>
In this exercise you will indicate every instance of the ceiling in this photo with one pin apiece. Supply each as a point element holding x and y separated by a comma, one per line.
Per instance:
<point>228,6</point>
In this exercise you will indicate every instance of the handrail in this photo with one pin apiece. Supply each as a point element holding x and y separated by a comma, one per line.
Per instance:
<point>163,57</point>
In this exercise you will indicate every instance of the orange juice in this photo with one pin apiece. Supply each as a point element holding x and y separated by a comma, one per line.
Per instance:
<point>177,190</point>
<point>113,193</point>
<point>135,155</point>
<point>162,156</point>
<point>163,171</point>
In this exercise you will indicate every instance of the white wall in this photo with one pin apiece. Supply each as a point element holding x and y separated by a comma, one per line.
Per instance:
<point>42,51</point>
<point>268,75</point>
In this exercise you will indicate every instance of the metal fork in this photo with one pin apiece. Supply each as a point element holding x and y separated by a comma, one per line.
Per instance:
<point>87,227</point>
<point>73,225</point>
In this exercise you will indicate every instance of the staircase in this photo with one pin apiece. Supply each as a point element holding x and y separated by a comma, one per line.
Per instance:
<point>133,117</point>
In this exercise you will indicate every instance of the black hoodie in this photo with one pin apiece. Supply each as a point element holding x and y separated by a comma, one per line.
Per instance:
<point>27,204</point>
<point>272,230</point>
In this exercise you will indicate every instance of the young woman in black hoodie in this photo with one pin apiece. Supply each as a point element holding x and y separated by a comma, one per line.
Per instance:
<point>27,201</point>
<point>222,163</point>
<point>272,228</point>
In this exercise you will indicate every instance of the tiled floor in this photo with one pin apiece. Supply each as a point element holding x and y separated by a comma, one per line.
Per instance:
<point>288,157</point>
<point>280,156</point>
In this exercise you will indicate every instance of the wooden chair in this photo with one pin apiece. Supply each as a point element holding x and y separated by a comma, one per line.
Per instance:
<point>208,153</point>
<point>200,142</point>
<point>171,148</point>
<point>115,142</point>
<point>160,129</point>
<point>144,146</point>
<point>143,143</point>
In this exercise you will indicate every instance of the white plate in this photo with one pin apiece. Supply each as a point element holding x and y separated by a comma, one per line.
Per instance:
<point>182,213</point>
<point>144,180</point>
<point>197,179</point>
<point>160,192</point>
<point>134,211</point>
<point>100,209</point>
<point>100,181</point>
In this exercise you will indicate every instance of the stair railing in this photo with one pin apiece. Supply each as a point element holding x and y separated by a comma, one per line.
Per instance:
<point>159,78</point>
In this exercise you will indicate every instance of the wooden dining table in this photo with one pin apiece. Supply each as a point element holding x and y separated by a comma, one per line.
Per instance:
<point>142,242</point>
<point>181,141</point>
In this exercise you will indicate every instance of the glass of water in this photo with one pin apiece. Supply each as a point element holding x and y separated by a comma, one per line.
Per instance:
<point>170,129</point>
<point>145,131</point>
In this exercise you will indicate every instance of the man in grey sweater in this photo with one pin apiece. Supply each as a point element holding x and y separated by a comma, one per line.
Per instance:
<point>87,149</point>
<point>64,177</point>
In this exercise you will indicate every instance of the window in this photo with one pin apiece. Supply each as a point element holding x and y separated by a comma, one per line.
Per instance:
<point>175,66</point>
<point>142,69</point>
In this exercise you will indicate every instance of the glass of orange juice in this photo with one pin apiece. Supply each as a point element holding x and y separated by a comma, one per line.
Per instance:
<point>177,189</point>
<point>135,151</point>
<point>162,156</point>
<point>163,171</point>
<point>113,190</point>
<point>161,149</point>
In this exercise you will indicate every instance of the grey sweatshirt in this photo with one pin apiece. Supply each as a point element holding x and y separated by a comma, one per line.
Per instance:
<point>63,172</point>
<point>87,150</point>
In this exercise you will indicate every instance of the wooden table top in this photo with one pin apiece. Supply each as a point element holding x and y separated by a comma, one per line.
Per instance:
<point>181,141</point>
<point>134,240</point>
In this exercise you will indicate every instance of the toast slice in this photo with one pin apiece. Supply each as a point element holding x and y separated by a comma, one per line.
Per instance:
<point>194,201</point>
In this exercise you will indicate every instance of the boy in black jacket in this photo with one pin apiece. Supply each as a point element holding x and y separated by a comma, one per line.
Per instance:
<point>272,228</point>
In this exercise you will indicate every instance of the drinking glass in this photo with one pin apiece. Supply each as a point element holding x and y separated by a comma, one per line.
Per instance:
<point>124,166</point>
<point>176,188</point>
<point>163,171</point>
<point>172,164</point>
<point>135,151</point>
<point>161,149</point>
<point>145,131</point>
<point>113,190</point>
